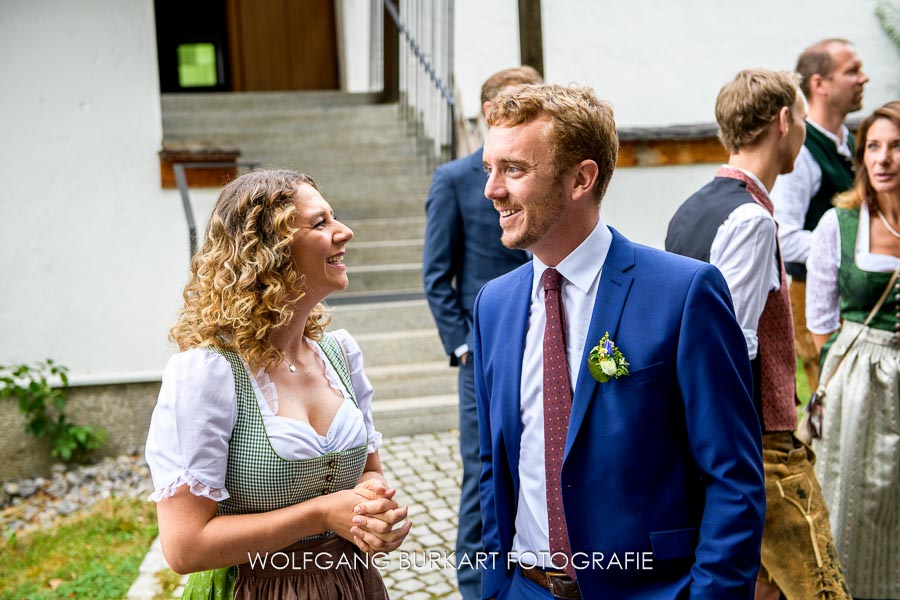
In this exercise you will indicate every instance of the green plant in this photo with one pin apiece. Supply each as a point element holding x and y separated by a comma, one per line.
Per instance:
<point>44,405</point>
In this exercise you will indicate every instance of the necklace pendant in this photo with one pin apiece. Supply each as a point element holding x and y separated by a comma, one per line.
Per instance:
<point>292,368</point>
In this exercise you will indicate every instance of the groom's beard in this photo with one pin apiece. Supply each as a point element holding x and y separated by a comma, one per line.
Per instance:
<point>536,217</point>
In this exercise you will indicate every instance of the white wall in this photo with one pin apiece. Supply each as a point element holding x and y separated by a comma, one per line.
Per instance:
<point>354,24</point>
<point>485,40</point>
<point>640,201</point>
<point>662,63</point>
<point>93,252</point>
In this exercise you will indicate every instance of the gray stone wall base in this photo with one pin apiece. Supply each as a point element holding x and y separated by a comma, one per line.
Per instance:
<point>123,410</point>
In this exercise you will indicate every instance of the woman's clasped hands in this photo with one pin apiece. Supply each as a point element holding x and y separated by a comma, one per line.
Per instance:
<point>368,515</point>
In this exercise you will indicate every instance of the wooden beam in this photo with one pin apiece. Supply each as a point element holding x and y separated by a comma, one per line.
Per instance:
<point>665,153</point>
<point>235,58</point>
<point>189,152</point>
<point>669,146</point>
<point>391,57</point>
<point>531,39</point>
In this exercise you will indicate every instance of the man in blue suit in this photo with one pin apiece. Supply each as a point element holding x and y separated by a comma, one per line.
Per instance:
<point>462,253</point>
<point>620,445</point>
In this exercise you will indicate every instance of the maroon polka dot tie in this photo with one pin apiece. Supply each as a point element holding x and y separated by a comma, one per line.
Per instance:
<point>557,406</point>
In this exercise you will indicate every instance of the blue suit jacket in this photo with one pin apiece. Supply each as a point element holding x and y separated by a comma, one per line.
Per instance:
<point>667,459</point>
<point>462,247</point>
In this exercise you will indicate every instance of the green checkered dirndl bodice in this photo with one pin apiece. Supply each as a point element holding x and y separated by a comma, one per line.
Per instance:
<point>258,479</point>
<point>860,289</point>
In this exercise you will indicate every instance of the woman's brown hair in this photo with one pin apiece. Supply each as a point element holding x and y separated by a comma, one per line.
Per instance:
<point>862,190</point>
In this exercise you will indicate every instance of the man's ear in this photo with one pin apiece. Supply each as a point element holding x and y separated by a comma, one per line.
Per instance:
<point>817,84</point>
<point>586,173</point>
<point>784,120</point>
<point>486,108</point>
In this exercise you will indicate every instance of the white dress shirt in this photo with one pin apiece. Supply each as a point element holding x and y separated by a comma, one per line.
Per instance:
<point>581,275</point>
<point>793,191</point>
<point>823,310</point>
<point>197,408</point>
<point>744,251</point>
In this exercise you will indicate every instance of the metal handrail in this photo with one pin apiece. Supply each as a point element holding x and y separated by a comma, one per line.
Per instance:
<point>434,122</point>
<point>181,180</point>
<point>392,10</point>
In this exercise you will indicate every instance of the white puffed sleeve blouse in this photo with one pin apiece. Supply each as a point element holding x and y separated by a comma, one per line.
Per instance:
<point>192,423</point>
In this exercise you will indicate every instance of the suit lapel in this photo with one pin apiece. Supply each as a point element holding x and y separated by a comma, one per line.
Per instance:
<point>612,292</point>
<point>513,327</point>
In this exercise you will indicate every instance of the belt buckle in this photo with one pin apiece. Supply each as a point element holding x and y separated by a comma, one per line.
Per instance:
<point>557,585</point>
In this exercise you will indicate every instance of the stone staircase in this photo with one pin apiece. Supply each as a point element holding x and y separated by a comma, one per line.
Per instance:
<point>368,169</point>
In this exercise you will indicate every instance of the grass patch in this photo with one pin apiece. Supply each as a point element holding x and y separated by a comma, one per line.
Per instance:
<point>93,554</point>
<point>803,391</point>
<point>168,581</point>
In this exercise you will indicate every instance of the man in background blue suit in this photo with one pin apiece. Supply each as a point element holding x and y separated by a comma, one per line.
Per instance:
<point>621,447</point>
<point>462,253</point>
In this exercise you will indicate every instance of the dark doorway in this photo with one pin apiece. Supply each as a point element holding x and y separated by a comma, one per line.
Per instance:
<point>188,35</point>
<point>246,45</point>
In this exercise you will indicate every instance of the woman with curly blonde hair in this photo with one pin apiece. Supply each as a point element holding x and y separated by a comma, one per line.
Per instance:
<point>262,448</point>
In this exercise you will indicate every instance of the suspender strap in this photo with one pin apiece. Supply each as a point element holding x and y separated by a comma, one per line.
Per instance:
<point>338,359</point>
<point>241,380</point>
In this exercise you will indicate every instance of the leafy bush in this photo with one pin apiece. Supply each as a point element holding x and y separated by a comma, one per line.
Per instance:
<point>44,405</point>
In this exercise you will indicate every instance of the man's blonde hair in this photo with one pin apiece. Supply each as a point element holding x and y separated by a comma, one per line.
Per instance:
<point>581,125</point>
<point>507,77</point>
<point>747,106</point>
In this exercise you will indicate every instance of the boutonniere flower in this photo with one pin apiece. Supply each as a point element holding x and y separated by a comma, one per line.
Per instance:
<point>606,361</point>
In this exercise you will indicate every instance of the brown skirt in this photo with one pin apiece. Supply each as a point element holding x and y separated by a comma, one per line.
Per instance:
<point>329,569</point>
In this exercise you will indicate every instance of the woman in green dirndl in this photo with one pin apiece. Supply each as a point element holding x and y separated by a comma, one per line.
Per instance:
<point>855,250</point>
<point>262,448</point>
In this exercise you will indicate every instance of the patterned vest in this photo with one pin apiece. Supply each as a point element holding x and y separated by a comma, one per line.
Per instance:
<point>258,479</point>
<point>691,233</point>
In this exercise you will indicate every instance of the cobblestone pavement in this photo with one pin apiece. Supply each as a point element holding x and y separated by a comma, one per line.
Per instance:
<point>426,470</point>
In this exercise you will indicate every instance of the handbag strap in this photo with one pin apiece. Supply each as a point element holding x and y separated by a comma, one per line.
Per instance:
<point>875,309</point>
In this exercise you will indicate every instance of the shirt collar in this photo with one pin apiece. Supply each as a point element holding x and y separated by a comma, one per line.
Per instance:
<point>752,176</point>
<point>583,264</point>
<point>839,142</point>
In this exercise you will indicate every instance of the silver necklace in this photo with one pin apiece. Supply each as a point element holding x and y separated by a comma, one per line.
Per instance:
<point>888,225</point>
<point>291,366</point>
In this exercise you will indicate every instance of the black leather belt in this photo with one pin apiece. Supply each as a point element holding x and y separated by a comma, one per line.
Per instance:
<point>556,582</point>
